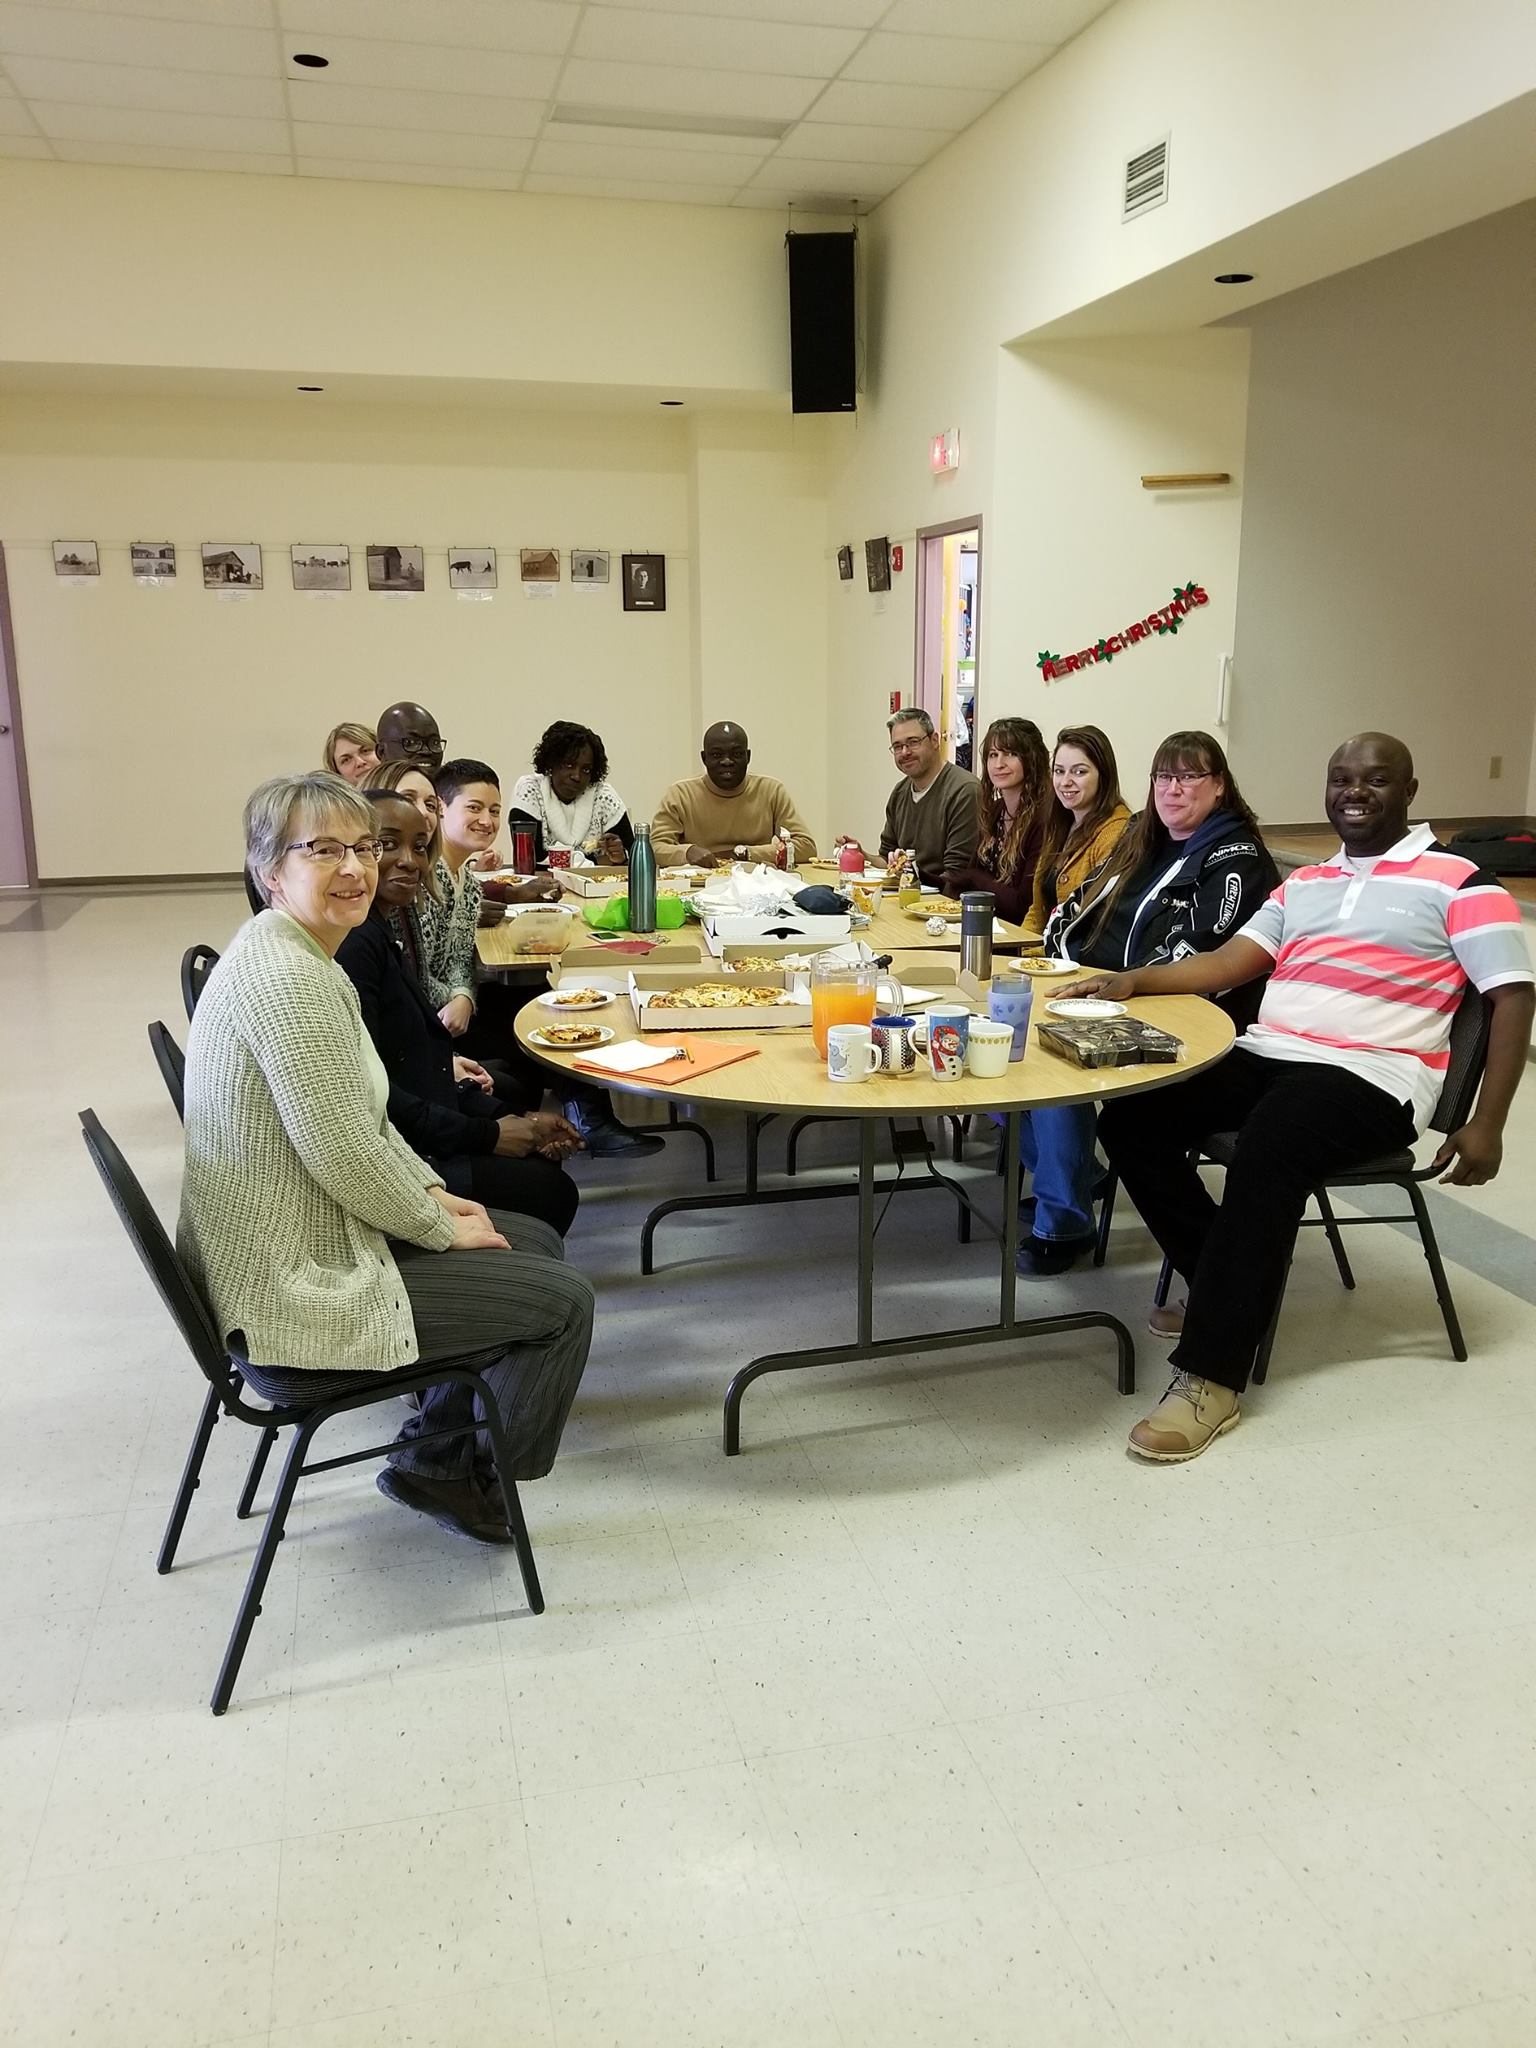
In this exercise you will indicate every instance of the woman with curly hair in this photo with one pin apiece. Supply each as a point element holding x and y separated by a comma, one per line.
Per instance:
<point>570,799</point>
<point>1016,797</point>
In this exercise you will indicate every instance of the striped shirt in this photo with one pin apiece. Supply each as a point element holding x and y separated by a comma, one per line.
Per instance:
<point>1372,958</point>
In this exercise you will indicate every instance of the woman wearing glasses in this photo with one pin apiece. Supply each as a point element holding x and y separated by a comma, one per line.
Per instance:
<point>1190,871</point>
<point>326,1248</point>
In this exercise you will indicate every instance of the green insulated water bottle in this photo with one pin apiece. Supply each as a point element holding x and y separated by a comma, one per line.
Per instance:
<point>642,882</point>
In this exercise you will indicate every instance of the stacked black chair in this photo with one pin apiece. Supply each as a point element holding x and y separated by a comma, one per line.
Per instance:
<point>197,963</point>
<point>172,1062</point>
<point>225,1396</point>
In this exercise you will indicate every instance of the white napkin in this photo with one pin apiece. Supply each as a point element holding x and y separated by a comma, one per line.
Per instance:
<point>759,891</point>
<point>630,1057</point>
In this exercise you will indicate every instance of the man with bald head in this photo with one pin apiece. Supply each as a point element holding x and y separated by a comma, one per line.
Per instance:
<point>1368,955</point>
<point>408,732</point>
<point>727,814</point>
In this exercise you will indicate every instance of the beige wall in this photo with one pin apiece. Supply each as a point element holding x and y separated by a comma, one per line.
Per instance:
<point>1387,572</point>
<point>149,714</point>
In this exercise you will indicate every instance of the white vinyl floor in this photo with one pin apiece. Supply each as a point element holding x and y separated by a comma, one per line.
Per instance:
<point>934,1719</point>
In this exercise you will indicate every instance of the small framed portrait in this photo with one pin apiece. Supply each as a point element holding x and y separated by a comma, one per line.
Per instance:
<point>645,583</point>
<point>589,565</point>
<point>76,558</point>
<point>151,561</point>
<point>391,567</point>
<point>471,568</point>
<point>539,565</point>
<point>231,565</point>
<point>877,562</point>
<point>845,564</point>
<point>317,566</point>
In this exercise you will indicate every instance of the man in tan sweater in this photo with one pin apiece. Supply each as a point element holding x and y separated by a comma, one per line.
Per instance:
<point>726,814</point>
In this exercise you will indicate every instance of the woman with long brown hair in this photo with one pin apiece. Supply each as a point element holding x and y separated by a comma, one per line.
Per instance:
<point>1085,823</point>
<point>1016,788</point>
<point>1189,871</point>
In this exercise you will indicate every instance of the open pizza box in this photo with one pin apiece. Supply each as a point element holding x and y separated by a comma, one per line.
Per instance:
<point>791,1011</point>
<point>925,979</point>
<point>588,883</point>
<point>777,952</point>
<point>599,967</point>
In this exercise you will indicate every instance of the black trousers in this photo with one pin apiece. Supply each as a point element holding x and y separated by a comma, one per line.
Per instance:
<point>1296,1123</point>
<point>528,1187</point>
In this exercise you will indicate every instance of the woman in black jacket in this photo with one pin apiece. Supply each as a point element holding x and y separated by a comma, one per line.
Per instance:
<point>1189,872</point>
<point>441,1104</point>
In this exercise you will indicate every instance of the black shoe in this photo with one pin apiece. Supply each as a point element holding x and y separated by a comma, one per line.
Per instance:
<point>1041,1257</point>
<point>606,1137</point>
<point>456,1505</point>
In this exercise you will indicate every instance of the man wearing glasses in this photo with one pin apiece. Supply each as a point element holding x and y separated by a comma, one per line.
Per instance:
<point>934,812</point>
<point>408,732</point>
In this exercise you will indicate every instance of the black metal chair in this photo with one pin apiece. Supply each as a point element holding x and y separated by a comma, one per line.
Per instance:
<point>197,963</point>
<point>226,1387</point>
<point>172,1062</point>
<point>1458,1093</point>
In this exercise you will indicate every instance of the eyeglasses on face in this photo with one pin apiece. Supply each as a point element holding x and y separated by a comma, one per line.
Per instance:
<point>330,853</point>
<point>422,742</point>
<point>912,746</point>
<point>1186,778</point>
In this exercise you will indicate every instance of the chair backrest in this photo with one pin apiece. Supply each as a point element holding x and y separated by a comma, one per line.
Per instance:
<point>172,1062</point>
<point>197,963</point>
<point>1469,1055</point>
<point>146,1233</point>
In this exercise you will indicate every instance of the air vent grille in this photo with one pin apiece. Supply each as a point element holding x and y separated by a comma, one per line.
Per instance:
<point>1146,180</point>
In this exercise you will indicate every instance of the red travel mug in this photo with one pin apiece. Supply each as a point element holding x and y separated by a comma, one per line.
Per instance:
<point>523,857</point>
<point>850,858</point>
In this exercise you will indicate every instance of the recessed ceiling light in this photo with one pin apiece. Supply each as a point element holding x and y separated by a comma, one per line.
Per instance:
<point>310,61</point>
<point>1235,277</point>
<point>309,387</point>
<point>568,114</point>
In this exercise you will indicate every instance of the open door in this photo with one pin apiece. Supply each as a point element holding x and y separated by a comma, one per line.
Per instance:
<point>949,633</point>
<point>17,868</point>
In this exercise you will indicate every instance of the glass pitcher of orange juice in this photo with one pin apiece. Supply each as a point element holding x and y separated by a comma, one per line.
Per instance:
<point>846,993</point>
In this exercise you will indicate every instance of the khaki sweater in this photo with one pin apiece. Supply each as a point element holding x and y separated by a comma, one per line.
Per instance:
<point>294,1176</point>
<point>695,813</point>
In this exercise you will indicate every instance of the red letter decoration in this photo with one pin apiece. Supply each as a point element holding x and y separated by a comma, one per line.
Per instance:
<point>1186,598</point>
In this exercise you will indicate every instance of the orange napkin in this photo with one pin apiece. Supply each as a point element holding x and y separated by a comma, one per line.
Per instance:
<point>705,1059</point>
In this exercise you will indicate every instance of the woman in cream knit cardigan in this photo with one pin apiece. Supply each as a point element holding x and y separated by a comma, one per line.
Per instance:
<point>327,1249</point>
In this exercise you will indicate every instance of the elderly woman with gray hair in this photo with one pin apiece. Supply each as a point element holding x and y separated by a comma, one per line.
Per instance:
<point>327,1249</point>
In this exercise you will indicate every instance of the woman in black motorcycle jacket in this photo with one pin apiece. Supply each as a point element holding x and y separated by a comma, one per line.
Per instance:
<point>1189,872</point>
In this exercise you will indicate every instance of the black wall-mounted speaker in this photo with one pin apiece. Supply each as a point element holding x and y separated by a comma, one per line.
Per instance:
<point>821,322</point>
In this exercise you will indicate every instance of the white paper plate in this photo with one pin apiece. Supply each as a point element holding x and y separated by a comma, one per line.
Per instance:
<point>538,1038</point>
<point>1085,1009</point>
<point>1040,969</point>
<point>599,1001</point>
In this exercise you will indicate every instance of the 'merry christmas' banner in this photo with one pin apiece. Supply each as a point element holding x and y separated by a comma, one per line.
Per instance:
<point>1185,599</point>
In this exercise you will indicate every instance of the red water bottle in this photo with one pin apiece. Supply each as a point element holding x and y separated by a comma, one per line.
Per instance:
<point>850,858</point>
<point>524,859</point>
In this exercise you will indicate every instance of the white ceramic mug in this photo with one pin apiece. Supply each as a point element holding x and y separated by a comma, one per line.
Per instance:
<point>852,1054</point>
<point>986,1053</point>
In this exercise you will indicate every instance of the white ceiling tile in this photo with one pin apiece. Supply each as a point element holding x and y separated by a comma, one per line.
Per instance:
<point>894,106</point>
<point>825,139</point>
<point>133,85</point>
<point>123,39</point>
<point>628,36</point>
<point>539,27</point>
<point>24,145</point>
<point>142,155</point>
<point>418,68</point>
<point>618,188</point>
<point>854,181</point>
<point>409,174</point>
<point>638,166</point>
<point>177,131</point>
<point>667,89</point>
<point>225,13</point>
<point>447,113</point>
<point>945,60</point>
<point>750,146</point>
<point>1028,21</point>
<point>395,146</point>
<point>827,13</point>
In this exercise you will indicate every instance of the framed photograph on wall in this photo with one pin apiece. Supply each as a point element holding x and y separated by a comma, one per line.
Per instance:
<point>151,561</point>
<point>231,565</point>
<point>645,582</point>
<point>471,568</point>
<point>589,565</point>
<point>845,563</point>
<point>76,558</point>
<point>877,562</point>
<point>319,566</point>
<point>392,567</point>
<point>539,565</point>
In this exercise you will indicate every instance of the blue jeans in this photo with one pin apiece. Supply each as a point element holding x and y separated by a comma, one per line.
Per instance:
<point>1057,1147</point>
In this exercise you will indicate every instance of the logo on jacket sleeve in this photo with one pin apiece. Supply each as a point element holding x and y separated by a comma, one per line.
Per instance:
<point>1231,896</point>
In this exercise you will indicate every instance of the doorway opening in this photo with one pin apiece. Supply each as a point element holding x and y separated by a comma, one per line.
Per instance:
<point>18,869</point>
<point>949,633</point>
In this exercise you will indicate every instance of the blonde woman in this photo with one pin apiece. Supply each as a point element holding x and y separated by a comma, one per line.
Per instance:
<point>352,752</point>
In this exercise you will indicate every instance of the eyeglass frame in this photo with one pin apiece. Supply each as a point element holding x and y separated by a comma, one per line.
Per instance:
<point>310,848</point>
<point>1165,779</point>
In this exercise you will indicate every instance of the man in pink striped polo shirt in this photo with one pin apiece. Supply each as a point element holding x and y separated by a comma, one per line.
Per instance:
<point>1368,956</point>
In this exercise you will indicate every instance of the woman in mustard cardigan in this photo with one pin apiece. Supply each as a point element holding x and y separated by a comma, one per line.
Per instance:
<point>1085,823</point>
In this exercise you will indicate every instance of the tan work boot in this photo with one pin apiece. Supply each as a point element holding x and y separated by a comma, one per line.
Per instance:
<point>1191,1415</point>
<point>1167,1320</point>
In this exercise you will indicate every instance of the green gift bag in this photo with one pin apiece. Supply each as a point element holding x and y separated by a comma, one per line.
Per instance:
<point>611,914</point>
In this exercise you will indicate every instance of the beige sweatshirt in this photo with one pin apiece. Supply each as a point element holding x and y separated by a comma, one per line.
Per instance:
<point>695,813</point>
